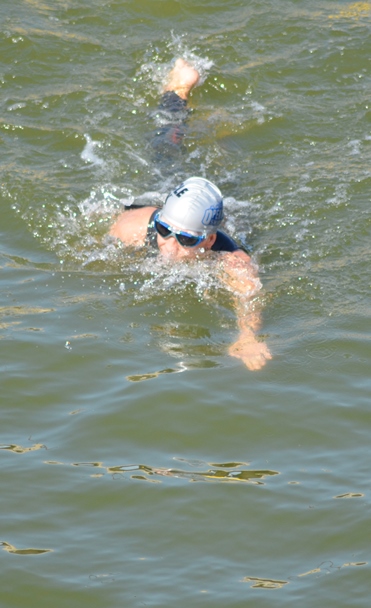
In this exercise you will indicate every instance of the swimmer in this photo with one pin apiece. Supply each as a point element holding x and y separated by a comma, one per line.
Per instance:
<point>187,226</point>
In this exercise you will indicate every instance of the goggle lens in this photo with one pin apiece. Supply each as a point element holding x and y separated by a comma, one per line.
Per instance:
<point>184,239</point>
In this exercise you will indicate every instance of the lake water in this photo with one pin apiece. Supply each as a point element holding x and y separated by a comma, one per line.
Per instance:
<point>140,465</point>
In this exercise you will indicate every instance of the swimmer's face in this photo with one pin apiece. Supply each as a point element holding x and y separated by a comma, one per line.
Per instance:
<point>171,249</point>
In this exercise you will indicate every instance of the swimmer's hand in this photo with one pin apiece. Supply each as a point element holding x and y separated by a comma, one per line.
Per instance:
<point>253,353</point>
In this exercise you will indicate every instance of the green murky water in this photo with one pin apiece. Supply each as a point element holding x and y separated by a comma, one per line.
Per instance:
<point>140,465</point>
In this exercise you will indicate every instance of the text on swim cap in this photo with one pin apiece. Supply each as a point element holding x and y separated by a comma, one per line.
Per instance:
<point>213,216</point>
<point>180,190</point>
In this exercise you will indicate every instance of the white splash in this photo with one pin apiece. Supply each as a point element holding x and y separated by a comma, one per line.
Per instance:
<point>354,144</point>
<point>158,72</point>
<point>258,111</point>
<point>88,154</point>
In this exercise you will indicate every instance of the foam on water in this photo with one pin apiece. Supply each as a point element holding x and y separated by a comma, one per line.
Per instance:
<point>156,70</point>
<point>160,275</point>
<point>88,154</point>
<point>258,111</point>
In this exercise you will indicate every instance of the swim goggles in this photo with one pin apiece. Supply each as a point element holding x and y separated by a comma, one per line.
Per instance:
<point>184,238</point>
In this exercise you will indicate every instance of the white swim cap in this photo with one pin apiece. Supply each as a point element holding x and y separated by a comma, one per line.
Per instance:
<point>194,206</point>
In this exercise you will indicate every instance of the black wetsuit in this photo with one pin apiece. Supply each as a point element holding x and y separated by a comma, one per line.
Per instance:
<point>223,242</point>
<point>171,116</point>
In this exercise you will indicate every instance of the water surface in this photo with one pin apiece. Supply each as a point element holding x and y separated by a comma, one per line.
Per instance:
<point>141,465</point>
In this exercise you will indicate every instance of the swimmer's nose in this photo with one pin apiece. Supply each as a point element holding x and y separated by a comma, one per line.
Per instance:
<point>169,247</point>
<point>172,244</point>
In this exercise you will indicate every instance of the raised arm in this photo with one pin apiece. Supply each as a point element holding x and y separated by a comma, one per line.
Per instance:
<point>241,276</point>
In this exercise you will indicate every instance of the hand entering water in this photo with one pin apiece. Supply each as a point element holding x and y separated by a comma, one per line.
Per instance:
<point>253,353</point>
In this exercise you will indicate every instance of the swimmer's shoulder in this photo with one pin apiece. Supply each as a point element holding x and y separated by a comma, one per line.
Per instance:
<point>131,225</point>
<point>224,242</point>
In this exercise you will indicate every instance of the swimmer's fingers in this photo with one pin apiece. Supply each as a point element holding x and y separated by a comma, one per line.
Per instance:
<point>254,354</point>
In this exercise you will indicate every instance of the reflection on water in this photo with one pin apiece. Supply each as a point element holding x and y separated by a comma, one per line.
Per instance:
<point>18,449</point>
<point>22,310</point>
<point>7,325</point>
<point>151,375</point>
<point>181,351</point>
<point>11,549</point>
<point>216,474</point>
<point>264,583</point>
<point>329,567</point>
<point>324,568</point>
<point>356,11</point>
